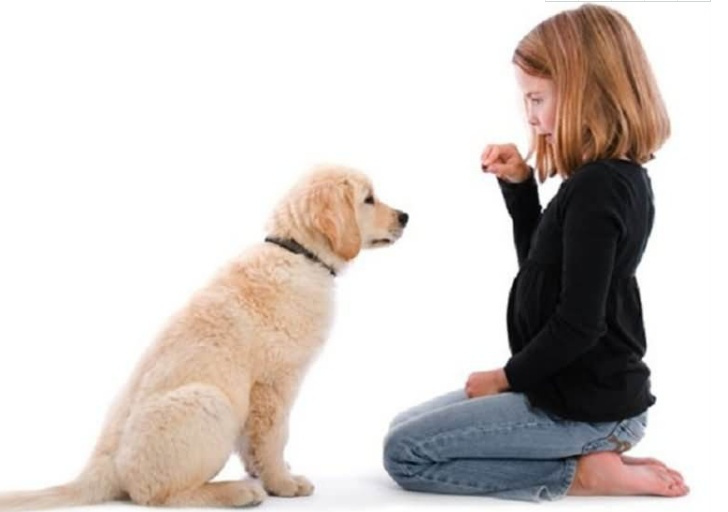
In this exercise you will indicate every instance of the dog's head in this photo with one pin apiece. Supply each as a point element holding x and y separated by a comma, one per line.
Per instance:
<point>335,209</point>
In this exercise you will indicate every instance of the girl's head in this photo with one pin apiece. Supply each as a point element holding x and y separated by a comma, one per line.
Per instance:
<point>589,91</point>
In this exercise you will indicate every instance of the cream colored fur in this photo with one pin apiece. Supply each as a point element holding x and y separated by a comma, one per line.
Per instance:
<point>222,376</point>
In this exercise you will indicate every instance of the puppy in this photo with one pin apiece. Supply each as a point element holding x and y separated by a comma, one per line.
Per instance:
<point>223,374</point>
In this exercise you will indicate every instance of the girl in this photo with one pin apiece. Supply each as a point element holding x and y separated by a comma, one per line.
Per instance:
<point>575,393</point>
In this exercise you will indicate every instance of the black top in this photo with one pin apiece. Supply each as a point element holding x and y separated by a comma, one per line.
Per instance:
<point>574,312</point>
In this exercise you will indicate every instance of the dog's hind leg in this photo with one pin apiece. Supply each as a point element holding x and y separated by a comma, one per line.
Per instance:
<point>220,494</point>
<point>174,443</point>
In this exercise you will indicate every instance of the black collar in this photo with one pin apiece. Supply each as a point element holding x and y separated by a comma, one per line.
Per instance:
<point>296,248</point>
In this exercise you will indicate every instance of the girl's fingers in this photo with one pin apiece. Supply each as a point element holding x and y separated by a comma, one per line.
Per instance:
<point>489,156</point>
<point>496,169</point>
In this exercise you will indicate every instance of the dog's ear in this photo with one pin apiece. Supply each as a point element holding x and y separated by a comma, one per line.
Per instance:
<point>334,216</point>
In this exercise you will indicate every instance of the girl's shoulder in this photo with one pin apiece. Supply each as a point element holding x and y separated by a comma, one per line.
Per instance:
<point>599,174</point>
<point>602,183</point>
<point>609,169</point>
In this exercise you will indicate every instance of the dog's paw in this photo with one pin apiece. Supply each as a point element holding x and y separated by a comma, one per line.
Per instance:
<point>289,486</point>
<point>248,493</point>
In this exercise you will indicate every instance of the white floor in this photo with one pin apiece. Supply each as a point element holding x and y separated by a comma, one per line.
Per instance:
<point>375,492</point>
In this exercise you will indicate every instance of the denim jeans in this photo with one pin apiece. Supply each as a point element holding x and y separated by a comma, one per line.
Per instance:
<point>497,446</point>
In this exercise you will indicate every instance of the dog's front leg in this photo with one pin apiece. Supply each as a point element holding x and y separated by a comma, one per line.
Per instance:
<point>266,432</point>
<point>246,456</point>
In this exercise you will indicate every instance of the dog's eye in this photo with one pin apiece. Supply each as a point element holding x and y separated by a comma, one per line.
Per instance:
<point>369,200</point>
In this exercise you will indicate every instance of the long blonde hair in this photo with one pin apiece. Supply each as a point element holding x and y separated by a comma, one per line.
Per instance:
<point>608,102</point>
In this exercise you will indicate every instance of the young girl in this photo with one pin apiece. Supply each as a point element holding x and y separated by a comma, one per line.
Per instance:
<point>574,395</point>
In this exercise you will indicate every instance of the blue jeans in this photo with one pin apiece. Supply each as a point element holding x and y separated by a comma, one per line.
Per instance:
<point>496,445</point>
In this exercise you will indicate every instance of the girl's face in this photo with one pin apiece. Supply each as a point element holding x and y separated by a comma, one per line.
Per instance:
<point>540,99</point>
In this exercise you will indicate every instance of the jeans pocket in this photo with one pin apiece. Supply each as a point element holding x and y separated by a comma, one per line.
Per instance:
<point>632,430</point>
<point>625,434</point>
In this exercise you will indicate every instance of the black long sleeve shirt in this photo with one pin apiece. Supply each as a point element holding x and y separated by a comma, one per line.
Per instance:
<point>574,313</point>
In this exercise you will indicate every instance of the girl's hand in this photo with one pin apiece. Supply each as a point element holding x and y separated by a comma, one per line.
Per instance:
<point>506,162</point>
<point>486,383</point>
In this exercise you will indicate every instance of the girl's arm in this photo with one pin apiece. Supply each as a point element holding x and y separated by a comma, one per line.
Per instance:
<point>519,190</point>
<point>525,210</point>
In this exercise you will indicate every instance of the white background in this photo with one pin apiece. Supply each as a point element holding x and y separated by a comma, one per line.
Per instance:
<point>142,144</point>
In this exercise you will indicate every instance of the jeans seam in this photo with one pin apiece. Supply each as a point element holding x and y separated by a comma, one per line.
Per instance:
<point>570,475</point>
<point>449,481</point>
<point>473,429</point>
<point>567,479</point>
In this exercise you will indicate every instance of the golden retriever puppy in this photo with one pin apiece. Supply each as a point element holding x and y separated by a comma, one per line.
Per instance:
<point>223,374</point>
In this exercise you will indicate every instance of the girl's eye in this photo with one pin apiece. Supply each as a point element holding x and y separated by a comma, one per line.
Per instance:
<point>369,200</point>
<point>536,101</point>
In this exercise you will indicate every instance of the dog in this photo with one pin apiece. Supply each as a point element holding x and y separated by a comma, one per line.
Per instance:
<point>222,375</point>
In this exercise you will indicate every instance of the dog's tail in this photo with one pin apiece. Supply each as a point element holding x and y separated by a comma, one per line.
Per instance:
<point>98,483</point>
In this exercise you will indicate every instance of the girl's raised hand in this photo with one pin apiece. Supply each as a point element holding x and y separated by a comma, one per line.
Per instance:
<point>506,162</point>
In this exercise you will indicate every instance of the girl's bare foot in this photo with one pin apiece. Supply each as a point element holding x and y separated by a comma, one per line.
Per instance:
<point>635,461</point>
<point>608,474</point>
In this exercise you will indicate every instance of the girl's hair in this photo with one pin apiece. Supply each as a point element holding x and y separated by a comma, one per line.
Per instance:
<point>608,103</point>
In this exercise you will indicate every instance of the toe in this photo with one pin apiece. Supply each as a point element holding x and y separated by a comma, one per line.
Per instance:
<point>672,483</point>
<point>676,474</point>
<point>678,489</point>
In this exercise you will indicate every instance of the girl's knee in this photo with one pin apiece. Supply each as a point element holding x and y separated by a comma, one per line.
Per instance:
<point>401,459</point>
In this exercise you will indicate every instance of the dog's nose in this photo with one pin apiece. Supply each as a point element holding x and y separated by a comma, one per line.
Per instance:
<point>403,218</point>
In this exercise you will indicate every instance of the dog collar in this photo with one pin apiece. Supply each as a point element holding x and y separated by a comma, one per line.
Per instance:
<point>291,245</point>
